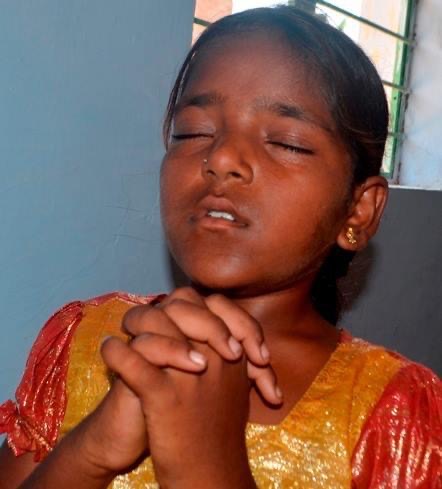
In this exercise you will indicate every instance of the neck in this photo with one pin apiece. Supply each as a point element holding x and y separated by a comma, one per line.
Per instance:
<point>286,313</point>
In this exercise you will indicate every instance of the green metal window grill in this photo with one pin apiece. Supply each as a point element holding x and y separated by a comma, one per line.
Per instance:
<point>397,87</point>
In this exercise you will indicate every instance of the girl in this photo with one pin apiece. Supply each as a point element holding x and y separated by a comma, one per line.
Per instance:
<point>275,132</point>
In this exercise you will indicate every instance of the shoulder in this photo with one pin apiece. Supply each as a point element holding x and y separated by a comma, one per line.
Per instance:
<point>386,380</point>
<point>400,438</point>
<point>371,368</point>
<point>105,312</point>
<point>32,421</point>
<point>375,361</point>
<point>70,316</point>
<point>410,388</point>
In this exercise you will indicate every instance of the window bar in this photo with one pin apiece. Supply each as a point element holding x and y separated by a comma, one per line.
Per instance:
<point>396,135</point>
<point>410,24</point>
<point>402,86</point>
<point>399,88</point>
<point>202,22</point>
<point>363,20</point>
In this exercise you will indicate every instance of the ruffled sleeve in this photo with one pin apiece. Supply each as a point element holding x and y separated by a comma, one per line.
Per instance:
<point>400,446</point>
<point>32,422</point>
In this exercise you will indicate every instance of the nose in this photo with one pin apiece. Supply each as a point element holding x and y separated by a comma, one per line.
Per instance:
<point>227,164</point>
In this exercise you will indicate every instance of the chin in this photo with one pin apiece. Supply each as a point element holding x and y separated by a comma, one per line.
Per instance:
<point>233,285</point>
<point>227,278</point>
<point>217,282</point>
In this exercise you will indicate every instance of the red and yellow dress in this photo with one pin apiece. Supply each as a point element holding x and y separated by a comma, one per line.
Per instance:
<point>370,419</point>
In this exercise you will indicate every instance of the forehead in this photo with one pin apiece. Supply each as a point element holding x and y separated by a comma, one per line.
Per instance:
<point>257,65</point>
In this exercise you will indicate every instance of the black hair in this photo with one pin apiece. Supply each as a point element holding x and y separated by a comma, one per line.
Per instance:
<point>349,84</point>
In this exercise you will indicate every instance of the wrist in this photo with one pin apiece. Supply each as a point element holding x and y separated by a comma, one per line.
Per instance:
<point>221,479</point>
<point>68,467</point>
<point>224,471</point>
<point>89,459</point>
<point>86,453</point>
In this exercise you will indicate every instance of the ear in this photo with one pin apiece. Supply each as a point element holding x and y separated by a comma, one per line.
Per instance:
<point>365,212</point>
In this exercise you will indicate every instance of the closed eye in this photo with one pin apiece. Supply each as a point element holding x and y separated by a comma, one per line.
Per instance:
<point>291,148</point>
<point>178,137</point>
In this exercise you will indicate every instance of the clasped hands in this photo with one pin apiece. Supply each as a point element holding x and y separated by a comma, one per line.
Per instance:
<point>182,392</point>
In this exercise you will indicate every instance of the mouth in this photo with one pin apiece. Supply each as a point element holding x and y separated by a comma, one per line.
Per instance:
<point>215,212</point>
<point>221,215</point>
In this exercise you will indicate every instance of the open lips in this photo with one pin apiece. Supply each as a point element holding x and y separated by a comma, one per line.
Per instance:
<point>214,209</point>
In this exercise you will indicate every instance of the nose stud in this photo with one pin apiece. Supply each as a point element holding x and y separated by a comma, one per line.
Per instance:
<point>205,161</point>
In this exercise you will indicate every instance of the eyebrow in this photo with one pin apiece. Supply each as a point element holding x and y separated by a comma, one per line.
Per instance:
<point>281,109</point>
<point>289,110</point>
<point>200,100</point>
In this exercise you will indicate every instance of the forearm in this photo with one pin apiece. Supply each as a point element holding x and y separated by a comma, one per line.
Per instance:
<point>237,479</point>
<point>68,467</point>
<point>227,479</point>
<point>230,471</point>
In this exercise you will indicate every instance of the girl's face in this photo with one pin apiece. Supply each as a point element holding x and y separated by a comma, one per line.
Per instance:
<point>254,142</point>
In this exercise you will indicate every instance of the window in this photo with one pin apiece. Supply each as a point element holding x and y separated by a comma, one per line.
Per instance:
<point>383,28</point>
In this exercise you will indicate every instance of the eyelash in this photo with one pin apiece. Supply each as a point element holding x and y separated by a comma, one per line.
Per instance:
<point>292,149</point>
<point>178,137</point>
<point>287,147</point>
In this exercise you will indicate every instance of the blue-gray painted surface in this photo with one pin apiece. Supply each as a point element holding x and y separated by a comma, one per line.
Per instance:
<point>83,87</point>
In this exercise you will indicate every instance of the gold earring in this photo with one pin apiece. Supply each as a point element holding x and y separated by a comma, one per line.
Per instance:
<point>350,235</point>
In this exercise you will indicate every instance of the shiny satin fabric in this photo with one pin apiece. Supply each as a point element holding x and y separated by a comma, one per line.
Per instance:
<point>370,418</point>
<point>33,422</point>
<point>400,445</point>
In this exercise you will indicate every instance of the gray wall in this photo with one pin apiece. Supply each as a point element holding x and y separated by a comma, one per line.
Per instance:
<point>394,287</point>
<point>83,87</point>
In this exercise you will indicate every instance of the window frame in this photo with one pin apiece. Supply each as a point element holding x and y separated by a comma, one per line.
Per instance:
<point>400,82</point>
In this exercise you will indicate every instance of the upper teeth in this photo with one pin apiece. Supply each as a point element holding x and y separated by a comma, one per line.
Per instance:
<point>221,215</point>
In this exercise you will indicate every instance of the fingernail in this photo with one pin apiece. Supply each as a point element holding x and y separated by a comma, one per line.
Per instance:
<point>235,346</point>
<point>278,392</point>
<point>105,339</point>
<point>197,358</point>
<point>265,354</point>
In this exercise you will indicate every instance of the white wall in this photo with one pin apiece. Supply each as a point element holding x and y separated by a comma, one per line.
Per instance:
<point>421,155</point>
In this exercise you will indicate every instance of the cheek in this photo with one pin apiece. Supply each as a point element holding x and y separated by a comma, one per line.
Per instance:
<point>304,221</point>
<point>168,196</point>
<point>164,194</point>
<point>179,192</point>
<point>173,182</point>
